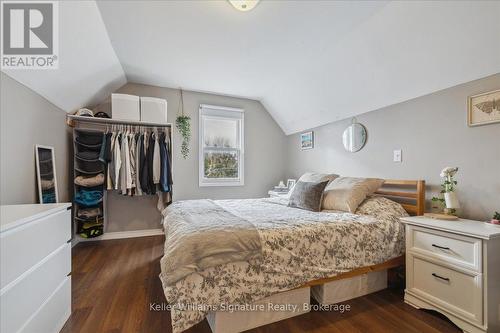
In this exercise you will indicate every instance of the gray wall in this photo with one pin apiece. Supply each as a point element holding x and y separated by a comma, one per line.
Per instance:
<point>432,131</point>
<point>265,157</point>
<point>27,119</point>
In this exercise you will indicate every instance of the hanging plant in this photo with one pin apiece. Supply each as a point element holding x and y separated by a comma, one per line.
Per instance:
<point>183,124</point>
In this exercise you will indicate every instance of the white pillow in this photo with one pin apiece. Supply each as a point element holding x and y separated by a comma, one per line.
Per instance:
<point>317,177</point>
<point>347,193</point>
<point>314,178</point>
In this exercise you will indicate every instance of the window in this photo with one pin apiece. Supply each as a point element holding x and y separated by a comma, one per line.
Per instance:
<point>221,146</point>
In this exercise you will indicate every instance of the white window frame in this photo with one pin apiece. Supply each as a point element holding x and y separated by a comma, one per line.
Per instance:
<point>218,112</point>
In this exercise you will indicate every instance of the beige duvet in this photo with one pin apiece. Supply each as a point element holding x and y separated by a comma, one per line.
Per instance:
<point>297,246</point>
<point>201,234</point>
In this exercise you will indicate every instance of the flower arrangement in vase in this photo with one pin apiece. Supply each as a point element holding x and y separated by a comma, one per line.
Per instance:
<point>449,198</point>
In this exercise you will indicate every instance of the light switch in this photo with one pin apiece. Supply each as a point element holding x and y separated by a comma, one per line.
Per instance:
<point>397,156</point>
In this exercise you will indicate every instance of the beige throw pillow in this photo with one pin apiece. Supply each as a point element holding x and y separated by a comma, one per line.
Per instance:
<point>347,193</point>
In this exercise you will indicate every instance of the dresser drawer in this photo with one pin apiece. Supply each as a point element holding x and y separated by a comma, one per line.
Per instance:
<point>24,246</point>
<point>454,249</point>
<point>52,315</point>
<point>451,290</point>
<point>21,300</point>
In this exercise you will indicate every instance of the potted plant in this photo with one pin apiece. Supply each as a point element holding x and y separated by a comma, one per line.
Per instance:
<point>496,218</point>
<point>449,198</point>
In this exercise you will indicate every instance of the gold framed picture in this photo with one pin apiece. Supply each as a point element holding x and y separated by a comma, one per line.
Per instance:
<point>483,109</point>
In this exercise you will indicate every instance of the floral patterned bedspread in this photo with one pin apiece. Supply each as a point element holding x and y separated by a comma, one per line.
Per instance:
<point>297,246</point>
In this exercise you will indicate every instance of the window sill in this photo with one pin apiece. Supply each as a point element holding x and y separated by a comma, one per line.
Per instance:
<point>221,184</point>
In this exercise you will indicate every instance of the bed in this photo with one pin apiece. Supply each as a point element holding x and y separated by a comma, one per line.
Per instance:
<point>296,248</point>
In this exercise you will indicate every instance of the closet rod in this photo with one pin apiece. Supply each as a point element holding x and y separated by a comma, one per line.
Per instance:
<point>71,119</point>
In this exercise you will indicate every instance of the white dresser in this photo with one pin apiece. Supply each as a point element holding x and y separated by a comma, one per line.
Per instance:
<point>35,267</point>
<point>454,267</point>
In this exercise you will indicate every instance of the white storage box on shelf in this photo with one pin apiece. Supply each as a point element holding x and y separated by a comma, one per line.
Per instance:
<point>346,289</point>
<point>154,110</point>
<point>239,321</point>
<point>125,107</point>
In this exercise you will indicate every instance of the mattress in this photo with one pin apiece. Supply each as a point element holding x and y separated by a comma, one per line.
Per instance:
<point>297,246</point>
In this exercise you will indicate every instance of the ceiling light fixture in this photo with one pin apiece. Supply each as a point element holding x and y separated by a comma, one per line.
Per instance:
<point>244,5</point>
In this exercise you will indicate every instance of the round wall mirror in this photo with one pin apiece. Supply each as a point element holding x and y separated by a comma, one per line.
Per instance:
<point>354,137</point>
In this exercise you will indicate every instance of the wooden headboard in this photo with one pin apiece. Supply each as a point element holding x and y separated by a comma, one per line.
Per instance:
<point>409,193</point>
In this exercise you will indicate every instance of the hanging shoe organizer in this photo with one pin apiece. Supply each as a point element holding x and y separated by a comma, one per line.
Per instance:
<point>89,183</point>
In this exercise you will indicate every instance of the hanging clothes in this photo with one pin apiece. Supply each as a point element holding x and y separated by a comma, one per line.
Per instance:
<point>144,169</point>
<point>138,163</point>
<point>111,163</point>
<point>124,167</point>
<point>102,152</point>
<point>132,162</point>
<point>107,150</point>
<point>156,161</point>
<point>118,161</point>
<point>165,197</point>
<point>150,164</point>
<point>128,175</point>
<point>138,143</point>
<point>125,177</point>
<point>164,170</point>
<point>169,157</point>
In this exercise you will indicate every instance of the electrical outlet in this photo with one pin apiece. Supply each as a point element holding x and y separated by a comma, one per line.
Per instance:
<point>397,157</point>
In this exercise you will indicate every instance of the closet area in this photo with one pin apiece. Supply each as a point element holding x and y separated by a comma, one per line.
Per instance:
<point>131,158</point>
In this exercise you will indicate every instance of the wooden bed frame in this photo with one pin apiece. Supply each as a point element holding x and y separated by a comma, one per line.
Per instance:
<point>411,195</point>
<point>412,191</point>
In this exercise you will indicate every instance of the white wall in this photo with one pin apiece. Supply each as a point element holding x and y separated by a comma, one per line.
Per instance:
<point>432,131</point>
<point>265,157</point>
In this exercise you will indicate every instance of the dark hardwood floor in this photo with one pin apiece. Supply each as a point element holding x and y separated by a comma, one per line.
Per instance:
<point>115,281</point>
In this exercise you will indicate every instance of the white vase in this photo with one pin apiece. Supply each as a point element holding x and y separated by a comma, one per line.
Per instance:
<point>451,200</point>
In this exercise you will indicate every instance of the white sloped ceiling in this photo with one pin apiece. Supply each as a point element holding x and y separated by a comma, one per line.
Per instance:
<point>308,62</point>
<point>89,69</point>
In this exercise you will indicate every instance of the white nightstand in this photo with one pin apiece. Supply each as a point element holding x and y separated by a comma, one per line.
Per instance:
<point>453,267</point>
<point>274,194</point>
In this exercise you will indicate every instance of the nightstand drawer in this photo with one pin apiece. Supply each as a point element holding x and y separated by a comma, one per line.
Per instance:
<point>454,291</point>
<point>454,249</point>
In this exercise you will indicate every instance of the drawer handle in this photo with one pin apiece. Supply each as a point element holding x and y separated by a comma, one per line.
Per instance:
<point>441,247</point>
<point>440,277</point>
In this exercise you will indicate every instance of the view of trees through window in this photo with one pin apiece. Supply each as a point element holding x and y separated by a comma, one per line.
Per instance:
<point>221,160</point>
<point>221,165</point>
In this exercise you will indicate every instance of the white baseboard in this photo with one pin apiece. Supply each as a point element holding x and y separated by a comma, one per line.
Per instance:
<point>119,235</point>
<point>131,234</point>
